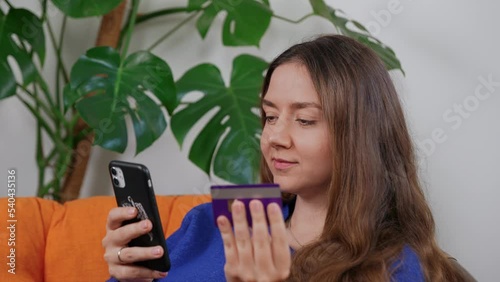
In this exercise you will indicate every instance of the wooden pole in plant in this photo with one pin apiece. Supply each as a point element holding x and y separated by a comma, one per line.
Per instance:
<point>109,34</point>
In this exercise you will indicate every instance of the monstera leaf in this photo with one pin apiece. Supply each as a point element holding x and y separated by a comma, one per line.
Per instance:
<point>119,87</point>
<point>230,137</point>
<point>86,8</point>
<point>361,34</point>
<point>245,23</point>
<point>28,29</point>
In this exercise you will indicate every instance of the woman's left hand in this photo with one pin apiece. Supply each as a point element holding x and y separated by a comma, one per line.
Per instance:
<point>257,256</point>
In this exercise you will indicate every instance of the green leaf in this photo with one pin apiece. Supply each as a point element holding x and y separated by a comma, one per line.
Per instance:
<point>229,140</point>
<point>70,95</point>
<point>194,5</point>
<point>205,20</point>
<point>110,129</point>
<point>245,23</point>
<point>86,8</point>
<point>28,29</point>
<point>119,88</point>
<point>148,122</point>
<point>362,34</point>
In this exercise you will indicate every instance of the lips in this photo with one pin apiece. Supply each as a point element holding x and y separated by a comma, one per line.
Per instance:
<point>281,164</point>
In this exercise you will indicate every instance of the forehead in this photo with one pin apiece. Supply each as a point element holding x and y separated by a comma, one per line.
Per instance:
<point>291,83</point>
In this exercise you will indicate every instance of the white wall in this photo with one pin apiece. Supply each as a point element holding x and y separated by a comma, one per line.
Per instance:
<point>447,49</point>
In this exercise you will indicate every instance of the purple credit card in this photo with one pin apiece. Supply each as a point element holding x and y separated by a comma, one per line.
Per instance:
<point>224,195</point>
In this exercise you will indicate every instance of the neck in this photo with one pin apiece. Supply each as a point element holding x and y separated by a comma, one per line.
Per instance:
<point>308,219</point>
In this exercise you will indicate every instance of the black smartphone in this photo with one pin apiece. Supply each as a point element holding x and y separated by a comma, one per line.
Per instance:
<point>133,188</point>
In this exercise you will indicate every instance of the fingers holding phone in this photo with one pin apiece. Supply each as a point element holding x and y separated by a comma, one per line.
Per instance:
<point>119,234</point>
<point>142,232</point>
<point>134,244</point>
<point>118,216</point>
<point>121,258</point>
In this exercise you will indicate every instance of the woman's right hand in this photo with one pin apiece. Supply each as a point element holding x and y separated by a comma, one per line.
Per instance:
<point>116,240</point>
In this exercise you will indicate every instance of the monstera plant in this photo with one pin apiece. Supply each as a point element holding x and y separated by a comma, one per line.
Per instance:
<point>108,84</point>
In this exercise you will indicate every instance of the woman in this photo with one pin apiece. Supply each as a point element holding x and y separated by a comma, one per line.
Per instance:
<point>335,139</point>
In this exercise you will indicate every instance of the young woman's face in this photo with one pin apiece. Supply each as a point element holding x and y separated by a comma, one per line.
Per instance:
<point>295,141</point>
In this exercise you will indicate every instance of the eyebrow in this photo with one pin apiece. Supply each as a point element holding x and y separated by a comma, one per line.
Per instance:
<point>295,105</point>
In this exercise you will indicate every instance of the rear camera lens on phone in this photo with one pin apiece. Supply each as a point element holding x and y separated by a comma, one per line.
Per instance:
<point>113,171</point>
<point>116,182</point>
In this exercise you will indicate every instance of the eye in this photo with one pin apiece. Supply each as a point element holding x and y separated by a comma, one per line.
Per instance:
<point>305,122</point>
<point>271,119</point>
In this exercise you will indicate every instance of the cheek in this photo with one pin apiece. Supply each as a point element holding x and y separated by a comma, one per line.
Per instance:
<point>326,148</point>
<point>264,147</point>
<point>264,142</point>
<point>315,147</point>
<point>319,160</point>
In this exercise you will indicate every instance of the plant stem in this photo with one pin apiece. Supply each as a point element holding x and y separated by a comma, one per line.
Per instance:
<point>53,113</point>
<point>39,145</point>
<point>159,13</point>
<point>57,141</point>
<point>45,89</point>
<point>54,43</point>
<point>45,189</point>
<point>50,156</point>
<point>8,3</point>
<point>130,28</point>
<point>170,32</point>
<point>293,21</point>
<point>62,165</point>
<point>44,10</point>
<point>73,121</point>
<point>59,145</point>
<point>38,103</point>
<point>149,16</point>
<point>38,79</point>
<point>60,65</point>
<point>59,104</point>
<point>123,31</point>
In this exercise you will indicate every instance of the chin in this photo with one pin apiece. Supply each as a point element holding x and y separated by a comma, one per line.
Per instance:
<point>287,185</point>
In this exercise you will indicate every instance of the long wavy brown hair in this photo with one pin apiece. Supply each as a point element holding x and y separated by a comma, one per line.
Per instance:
<point>376,205</point>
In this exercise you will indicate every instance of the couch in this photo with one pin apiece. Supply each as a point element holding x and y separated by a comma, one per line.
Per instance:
<point>55,242</point>
<point>48,241</point>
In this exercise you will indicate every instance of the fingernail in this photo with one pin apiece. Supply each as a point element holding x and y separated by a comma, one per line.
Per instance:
<point>257,205</point>
<point>131,211</point>
<point>163,274</point>
<point>238,206</point>
<point>145,224</point>
<point>220,221</point>
<point>273,208</point>
<point>156,251</point>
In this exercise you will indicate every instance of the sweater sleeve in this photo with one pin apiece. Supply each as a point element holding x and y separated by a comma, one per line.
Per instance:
<point>195,250</point>
<point>407,268</point>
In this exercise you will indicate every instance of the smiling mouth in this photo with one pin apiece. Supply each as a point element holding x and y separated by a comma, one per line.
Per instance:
<point>280,164</point>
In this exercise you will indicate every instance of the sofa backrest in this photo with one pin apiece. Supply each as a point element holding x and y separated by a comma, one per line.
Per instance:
<point>55,242</point>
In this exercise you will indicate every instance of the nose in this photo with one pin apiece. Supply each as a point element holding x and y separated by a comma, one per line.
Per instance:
<point>279,136</point>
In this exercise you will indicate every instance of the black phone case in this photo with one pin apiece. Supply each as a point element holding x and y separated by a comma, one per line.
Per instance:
<point>139,193</point>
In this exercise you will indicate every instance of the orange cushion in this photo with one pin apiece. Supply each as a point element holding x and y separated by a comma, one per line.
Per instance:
<point>57,242</point>
<point>74,241</point>
<point>33,217</point>
<point>74,249</point>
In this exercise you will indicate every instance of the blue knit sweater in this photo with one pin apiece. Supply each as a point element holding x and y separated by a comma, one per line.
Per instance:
<point>197,254</point>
